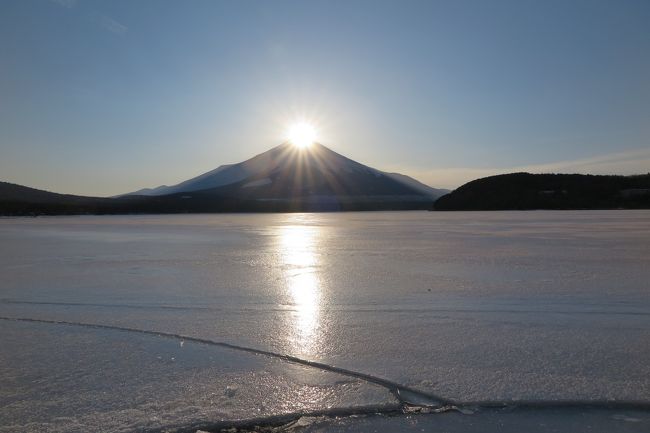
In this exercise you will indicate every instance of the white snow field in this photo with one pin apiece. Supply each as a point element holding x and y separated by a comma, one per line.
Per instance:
<point>375,321</point>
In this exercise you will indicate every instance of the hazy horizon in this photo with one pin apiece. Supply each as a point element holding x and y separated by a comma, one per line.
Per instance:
<point>101,98</point>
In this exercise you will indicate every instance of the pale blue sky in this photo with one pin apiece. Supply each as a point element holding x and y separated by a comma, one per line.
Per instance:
<point>103,97</point>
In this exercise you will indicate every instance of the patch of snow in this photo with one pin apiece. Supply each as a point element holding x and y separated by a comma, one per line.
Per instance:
<point>259,182</point>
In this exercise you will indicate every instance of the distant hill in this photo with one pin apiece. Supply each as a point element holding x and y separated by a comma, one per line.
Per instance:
<point>22,200</point>
<point>14,192</point>
<point>524,191</point>
<point>283,179</point>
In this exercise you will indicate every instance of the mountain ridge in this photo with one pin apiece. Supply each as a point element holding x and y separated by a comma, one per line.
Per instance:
<point>282,179</point>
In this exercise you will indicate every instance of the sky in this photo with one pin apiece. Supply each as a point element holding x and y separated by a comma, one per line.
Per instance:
<point>106,97</point>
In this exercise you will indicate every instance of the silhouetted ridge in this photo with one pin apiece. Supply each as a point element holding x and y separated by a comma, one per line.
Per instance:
<point>525,191</point>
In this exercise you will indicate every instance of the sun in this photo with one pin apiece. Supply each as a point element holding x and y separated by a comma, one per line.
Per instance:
<point>301,135</point>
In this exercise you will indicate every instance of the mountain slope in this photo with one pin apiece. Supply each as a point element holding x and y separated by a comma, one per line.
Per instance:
<point>523,191</point>
<point>426,189</point>
<point>222,175</point>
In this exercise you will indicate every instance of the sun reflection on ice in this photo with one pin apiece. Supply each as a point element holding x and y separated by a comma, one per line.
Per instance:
<point>300,262</point>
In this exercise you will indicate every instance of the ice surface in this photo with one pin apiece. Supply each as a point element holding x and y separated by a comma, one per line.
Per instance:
<point>471,306</point>
<point>502,421</point>
<point>74,379</point>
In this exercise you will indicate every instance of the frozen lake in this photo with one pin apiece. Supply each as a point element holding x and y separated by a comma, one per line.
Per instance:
<point>468,307</point>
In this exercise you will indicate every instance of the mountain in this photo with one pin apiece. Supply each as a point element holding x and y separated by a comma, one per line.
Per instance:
<point>283,179</point>
<point>285,171</point>
<point>524,191</point>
